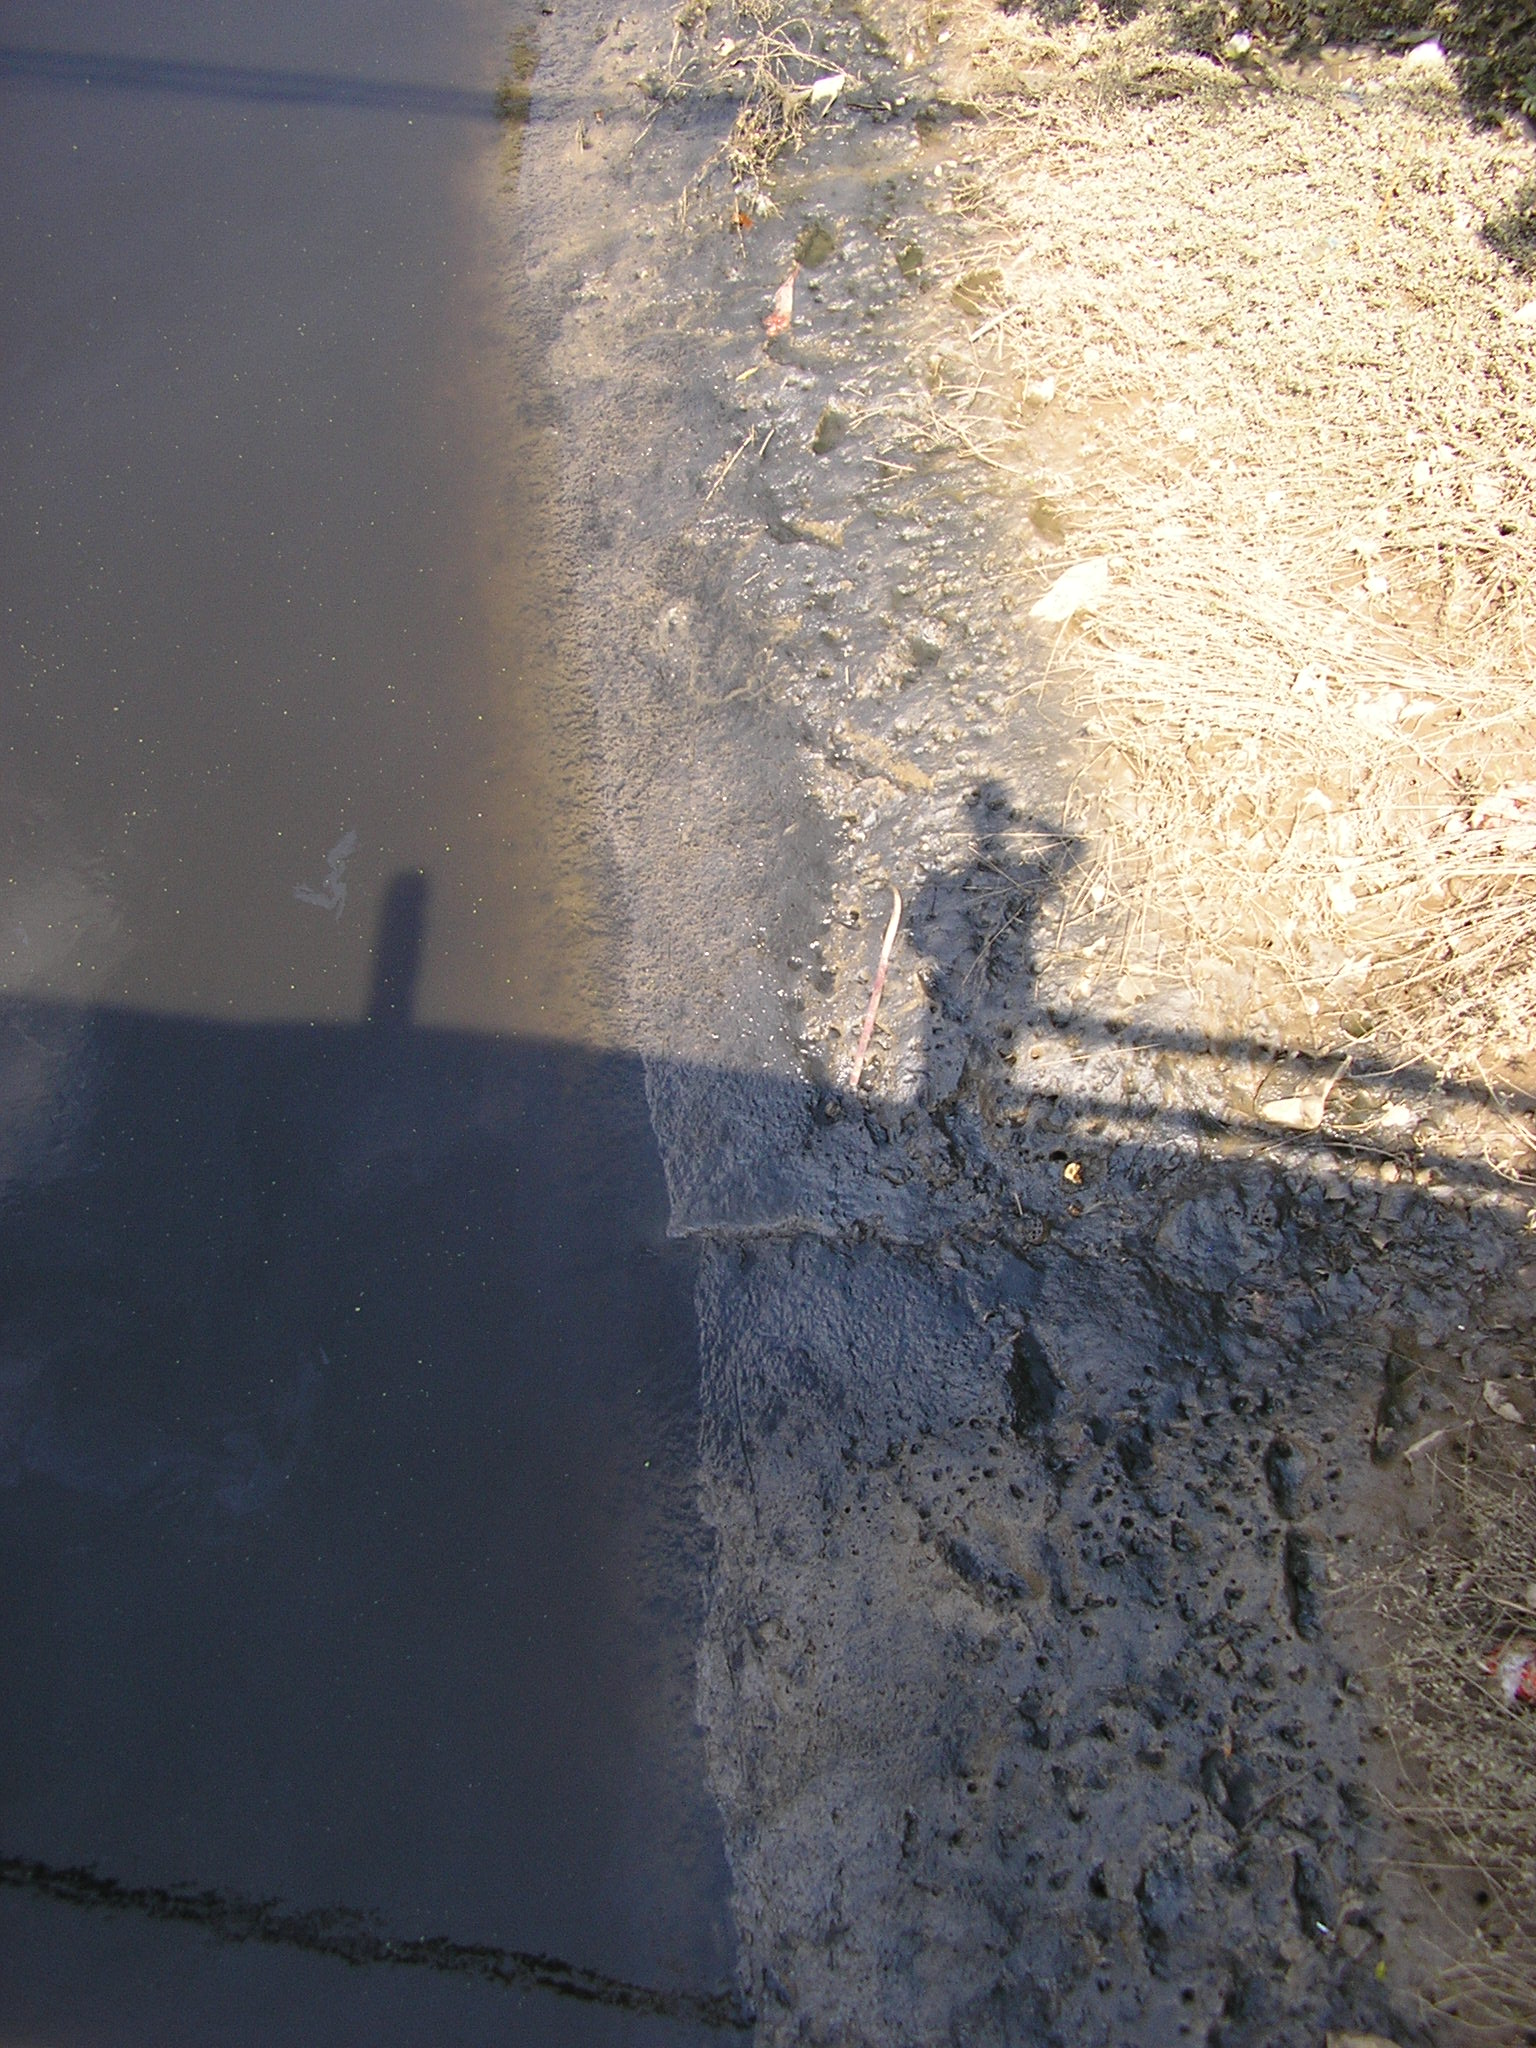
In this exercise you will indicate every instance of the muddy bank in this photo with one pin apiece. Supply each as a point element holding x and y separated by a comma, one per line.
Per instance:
<point>1050,1391</point>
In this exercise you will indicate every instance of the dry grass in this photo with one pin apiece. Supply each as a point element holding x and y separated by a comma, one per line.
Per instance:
<point>1469,1758</point>
<point>1250,338</point>
<point>769,65</point>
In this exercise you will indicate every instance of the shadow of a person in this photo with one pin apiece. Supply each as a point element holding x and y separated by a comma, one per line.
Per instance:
<point>397,952</point>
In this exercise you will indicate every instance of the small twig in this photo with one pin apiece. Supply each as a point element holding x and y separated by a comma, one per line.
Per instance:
<point>731,461</point>
<point>1426,1444</point>
<point>875,993</point>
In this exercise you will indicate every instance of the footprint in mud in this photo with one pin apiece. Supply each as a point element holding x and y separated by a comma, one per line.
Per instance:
<point>332,893</point>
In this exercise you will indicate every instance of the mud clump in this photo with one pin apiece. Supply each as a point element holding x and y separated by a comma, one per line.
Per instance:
<point>1285,1474</point>
<point>1304,1581</point>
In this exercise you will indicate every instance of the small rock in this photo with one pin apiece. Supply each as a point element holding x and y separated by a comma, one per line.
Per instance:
<point>831,431</point>
<point>824,533</point>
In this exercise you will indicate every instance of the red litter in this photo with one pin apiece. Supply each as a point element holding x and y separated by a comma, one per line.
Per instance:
<point>1515,1668</point>
<point>781,316</point>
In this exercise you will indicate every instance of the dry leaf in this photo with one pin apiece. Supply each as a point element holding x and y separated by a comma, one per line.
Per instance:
<point>871,756</point>
<point>1078,589</point>
<point>1295,1112</point>
<point>1501,1405</point>
<point>1426,1444</point>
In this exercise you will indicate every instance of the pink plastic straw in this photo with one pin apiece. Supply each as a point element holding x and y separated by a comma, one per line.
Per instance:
<point>876,992</point>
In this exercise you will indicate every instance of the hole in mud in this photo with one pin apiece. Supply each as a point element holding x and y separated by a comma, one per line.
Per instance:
<point>814,244</point>
<point>1032,1385</point>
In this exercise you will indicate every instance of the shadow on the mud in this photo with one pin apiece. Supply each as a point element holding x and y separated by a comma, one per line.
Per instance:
<point>348,1412</point>
<point>1492,41</point>
<point>979,925</point>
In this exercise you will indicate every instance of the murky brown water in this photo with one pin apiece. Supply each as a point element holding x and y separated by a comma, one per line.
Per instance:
<point>271,516</point>
<point>347,1385</point>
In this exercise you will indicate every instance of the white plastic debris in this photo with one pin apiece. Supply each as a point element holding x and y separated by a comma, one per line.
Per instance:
<point>1342,900</point>
<point>1079,589</point>
<point>331,896</point>
<point>1304,1111</point>
<point>825,90</point>
<point>1508,817</point>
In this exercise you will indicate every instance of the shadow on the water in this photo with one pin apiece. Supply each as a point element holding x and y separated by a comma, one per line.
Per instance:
<point>109,71</point>
<point>348,1420</point>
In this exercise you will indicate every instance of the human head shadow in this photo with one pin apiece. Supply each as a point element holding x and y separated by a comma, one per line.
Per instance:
<point>397,952</point>
<point>978,925</point>
<point>1493,43</point>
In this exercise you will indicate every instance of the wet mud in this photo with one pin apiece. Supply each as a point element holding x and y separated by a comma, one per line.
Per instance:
<point>1055,1400</point>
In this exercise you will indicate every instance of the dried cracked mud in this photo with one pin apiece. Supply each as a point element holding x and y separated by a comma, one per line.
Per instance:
<point>1054,1401</point>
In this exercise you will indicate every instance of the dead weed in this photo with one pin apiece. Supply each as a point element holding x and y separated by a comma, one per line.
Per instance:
<point>1467,1755</point>
<point>769,65</point>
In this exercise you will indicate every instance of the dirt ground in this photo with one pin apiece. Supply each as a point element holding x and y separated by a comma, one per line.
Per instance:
<point>1069,1382</point>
